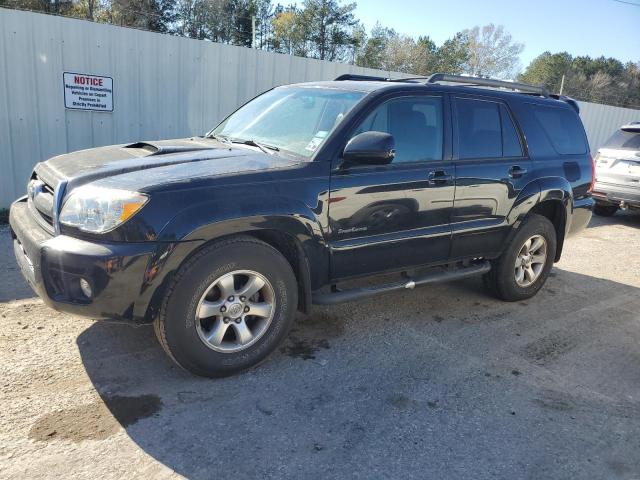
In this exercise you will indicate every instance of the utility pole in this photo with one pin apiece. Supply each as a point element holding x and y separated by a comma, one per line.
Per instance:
<point>253,31</point>
<point>562,84</point>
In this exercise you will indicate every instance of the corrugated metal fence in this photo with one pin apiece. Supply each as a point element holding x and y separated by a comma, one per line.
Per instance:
<point>600,121</point>
<point>163,87</point>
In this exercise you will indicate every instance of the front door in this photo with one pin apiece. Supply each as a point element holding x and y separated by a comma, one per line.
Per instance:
<point>390,217</point>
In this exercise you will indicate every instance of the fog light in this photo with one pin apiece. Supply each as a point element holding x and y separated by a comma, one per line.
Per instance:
<point>86,288</point>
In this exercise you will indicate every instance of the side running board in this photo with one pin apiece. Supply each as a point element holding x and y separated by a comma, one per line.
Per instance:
<point>338,296</point>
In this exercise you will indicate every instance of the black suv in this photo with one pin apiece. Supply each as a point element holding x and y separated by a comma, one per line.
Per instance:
<point>220,239</point>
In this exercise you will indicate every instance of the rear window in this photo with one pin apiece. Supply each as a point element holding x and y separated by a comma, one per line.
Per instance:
<point>563,129</point>
<point>624,140</point>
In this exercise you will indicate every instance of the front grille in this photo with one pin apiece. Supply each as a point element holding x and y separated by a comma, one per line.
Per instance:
<point>41,201</point>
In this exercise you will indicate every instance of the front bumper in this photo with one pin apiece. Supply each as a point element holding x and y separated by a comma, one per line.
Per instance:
<point>54,266</point>
<point>613,194</point>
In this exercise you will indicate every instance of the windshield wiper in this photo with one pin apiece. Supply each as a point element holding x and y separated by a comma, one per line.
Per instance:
<point>268,149</point>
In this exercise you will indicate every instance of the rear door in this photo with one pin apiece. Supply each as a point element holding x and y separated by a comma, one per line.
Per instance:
<point>492,167</point>
<point>390,217</point>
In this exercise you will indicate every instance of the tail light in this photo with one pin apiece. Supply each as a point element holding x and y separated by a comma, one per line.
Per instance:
<point>593,173</point>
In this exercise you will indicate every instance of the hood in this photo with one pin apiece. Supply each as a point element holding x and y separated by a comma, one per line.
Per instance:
<point>147,164</point>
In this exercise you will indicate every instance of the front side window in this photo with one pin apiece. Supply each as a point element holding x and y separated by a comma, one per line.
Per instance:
<point>415,123</point>
<point>296,120</point>
<point>485,130</point>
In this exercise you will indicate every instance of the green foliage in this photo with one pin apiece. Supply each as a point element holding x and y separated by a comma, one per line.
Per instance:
<point>323,29</point>
<point>385,49</point>
<point>372,53</point>
<point>601,80</point>
<point>329,30</point>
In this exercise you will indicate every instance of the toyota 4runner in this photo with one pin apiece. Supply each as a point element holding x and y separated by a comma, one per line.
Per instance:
<point>220,239</point>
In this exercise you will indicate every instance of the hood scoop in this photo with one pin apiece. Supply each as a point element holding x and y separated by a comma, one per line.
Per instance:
<point>148,149</point>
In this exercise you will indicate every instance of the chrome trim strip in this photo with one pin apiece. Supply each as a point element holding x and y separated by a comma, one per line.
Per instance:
<point>58,196</point>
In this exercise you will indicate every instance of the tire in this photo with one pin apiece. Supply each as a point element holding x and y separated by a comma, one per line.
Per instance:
<point>605,210</point>
<point>502,279</point>
<point>196,291</point>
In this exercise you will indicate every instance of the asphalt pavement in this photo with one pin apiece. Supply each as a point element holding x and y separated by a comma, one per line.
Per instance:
<point>440,382</point>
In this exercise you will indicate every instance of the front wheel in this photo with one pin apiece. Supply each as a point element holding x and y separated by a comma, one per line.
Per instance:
<point>524,266</point>
<point>228,307</point>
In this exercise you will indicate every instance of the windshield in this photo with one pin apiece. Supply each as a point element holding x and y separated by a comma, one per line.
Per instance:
<point>624,140</point>
<point>292,119</point>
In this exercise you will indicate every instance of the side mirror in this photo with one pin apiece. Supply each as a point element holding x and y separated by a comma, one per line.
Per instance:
<point>369,148</point>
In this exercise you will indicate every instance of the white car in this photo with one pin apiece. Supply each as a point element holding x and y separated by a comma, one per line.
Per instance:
<point>618,172</point>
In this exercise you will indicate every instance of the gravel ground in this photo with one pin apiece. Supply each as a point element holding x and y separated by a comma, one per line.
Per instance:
<point>440,382</point>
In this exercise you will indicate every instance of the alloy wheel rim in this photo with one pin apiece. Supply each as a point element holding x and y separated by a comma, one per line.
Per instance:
<point>530,261</point>
<point>235,311</point>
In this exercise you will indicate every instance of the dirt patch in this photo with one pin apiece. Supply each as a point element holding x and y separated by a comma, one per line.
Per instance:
<point>548,348</point>
<point>94,421</point>
<point>311,334</point>
<point>401,402</point>
<point>304,349</point>
<point>557,401</point>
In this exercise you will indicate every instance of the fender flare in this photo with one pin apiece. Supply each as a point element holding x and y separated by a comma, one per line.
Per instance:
<point>554,189</point>
<point>195,226</point>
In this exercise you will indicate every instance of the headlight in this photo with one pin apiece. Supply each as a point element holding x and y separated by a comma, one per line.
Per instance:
<point>100,210</point>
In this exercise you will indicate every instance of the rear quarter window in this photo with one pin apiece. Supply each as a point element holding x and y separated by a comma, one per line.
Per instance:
<point>562,127</point>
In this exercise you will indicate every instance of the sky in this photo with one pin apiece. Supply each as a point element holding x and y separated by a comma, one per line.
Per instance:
<point>580,27</point>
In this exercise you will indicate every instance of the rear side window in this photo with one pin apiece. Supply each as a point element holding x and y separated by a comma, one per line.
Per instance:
<point>485,130</point>
<point>624,140</point>
<point>562,128</point>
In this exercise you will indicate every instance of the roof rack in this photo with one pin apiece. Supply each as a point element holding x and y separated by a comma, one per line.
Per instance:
<point>445,77</point>
<point>488,82</point>
<point>361,78</point>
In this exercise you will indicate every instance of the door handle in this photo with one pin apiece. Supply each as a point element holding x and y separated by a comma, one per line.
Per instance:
<point>439,176</point>
<point>517,171</point>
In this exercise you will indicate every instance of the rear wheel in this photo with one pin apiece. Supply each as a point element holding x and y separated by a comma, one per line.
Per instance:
<point>524,266</point>
<point>605,210</point>
<point>228,307</point>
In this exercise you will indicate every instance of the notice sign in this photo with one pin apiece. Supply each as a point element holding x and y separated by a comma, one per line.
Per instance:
<point>88,92</point>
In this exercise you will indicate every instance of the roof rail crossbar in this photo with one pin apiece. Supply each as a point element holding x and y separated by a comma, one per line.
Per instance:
<point>361,78</point>
<point>488,82</point>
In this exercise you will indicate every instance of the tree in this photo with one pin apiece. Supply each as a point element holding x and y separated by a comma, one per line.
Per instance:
<point>547,69</point>
<point>603,80</point>
<point>452,55</point>
<point>193,18</point>
<point>289,32</point>
<point>329,27</point>
<point>491,51</point>
<point>403,54</point>
<point>154,15</point>
<point>387,50</point>
<point>264,15</point>
<point>373,50</point>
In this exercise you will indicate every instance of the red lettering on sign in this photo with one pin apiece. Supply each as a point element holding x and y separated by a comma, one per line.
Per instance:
<point>82,80</point>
